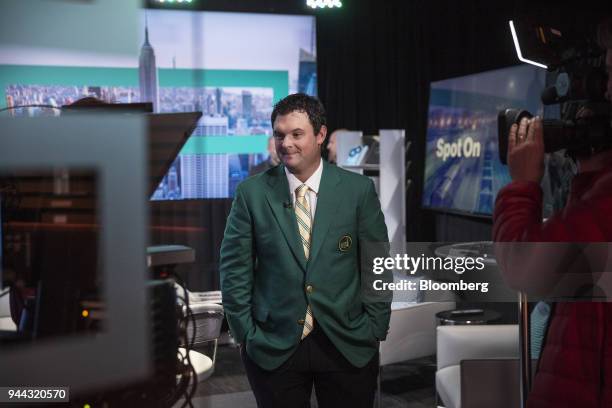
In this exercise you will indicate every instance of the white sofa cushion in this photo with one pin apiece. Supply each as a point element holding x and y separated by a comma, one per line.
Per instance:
<point>412,331</point>
<point>6,323</point>
<point>456,343</point>
<point>201,363</point>
<point>448,386</point>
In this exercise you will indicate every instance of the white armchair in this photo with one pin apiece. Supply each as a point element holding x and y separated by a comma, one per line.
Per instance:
<point>208,319</point>
<point>412,333</point>
<point>6,322</point>
<point>470,342</point>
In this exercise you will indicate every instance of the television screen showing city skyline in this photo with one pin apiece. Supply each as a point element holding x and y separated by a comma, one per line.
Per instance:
<point>232,67</point>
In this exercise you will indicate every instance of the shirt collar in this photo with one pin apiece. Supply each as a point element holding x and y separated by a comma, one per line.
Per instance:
<point>313,182</point>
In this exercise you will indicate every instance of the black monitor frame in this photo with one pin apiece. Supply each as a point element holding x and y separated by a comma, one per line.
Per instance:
<point>116,147</point>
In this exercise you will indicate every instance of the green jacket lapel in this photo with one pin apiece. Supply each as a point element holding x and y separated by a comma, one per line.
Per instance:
<point>327,203</point>
<point>277,195</point>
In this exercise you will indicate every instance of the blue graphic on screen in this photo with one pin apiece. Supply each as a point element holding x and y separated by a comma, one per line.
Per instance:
<point>307,74</point>
<point>462,167</point>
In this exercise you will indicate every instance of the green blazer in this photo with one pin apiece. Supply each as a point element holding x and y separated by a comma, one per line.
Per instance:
<point>264,272</point>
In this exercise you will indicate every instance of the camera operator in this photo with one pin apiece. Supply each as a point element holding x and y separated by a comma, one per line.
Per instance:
<point>575,368</point>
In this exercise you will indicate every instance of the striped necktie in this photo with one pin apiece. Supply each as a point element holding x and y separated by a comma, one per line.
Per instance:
<point>304,219</point>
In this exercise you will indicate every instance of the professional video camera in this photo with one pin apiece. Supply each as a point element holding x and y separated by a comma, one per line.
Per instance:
<point>579,64</point>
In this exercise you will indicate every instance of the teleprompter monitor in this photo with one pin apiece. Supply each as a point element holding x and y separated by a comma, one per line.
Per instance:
<point>115,149</point>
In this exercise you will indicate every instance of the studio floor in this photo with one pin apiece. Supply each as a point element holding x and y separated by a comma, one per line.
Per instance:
<point>408,385</point>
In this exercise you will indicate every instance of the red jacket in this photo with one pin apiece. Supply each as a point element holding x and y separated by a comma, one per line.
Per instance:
<point>575,367</point>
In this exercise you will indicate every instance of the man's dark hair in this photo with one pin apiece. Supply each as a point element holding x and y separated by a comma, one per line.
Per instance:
<point>300,102</point>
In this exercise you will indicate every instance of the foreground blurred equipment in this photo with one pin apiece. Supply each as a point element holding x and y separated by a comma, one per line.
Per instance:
<point>85,362</point>
<point>83,274</point>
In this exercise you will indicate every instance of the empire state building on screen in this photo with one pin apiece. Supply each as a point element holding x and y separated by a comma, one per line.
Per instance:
<point>147,73</point>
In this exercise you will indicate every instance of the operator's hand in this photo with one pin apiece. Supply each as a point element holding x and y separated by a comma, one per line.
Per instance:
<point>526,150</point>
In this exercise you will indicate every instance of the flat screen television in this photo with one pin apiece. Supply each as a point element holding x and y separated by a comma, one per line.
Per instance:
<point>462,168</point>
<point>232,67</point>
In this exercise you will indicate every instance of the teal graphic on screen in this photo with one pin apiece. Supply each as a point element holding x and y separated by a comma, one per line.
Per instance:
<point>221,64</point>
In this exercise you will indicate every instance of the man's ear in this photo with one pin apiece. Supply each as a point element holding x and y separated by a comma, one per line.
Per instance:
<point>321,135</point>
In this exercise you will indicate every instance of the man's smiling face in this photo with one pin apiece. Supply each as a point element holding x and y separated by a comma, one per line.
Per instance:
<point>296,143</point>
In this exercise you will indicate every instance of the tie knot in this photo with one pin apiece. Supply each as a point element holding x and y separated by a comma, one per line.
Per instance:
<point>300,192</point>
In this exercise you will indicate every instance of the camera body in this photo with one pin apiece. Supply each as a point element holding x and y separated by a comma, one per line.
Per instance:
<point>578,63</point>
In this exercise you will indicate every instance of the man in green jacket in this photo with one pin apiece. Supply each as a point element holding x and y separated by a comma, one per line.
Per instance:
<point>291,271</point>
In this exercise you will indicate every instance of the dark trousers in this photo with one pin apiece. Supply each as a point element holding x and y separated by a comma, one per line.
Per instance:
<point>316,361</point>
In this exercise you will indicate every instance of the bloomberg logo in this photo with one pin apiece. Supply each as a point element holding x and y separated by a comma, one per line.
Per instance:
<point>466,147</point>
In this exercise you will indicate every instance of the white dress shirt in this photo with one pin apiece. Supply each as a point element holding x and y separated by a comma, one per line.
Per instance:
<point>313,187</point>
